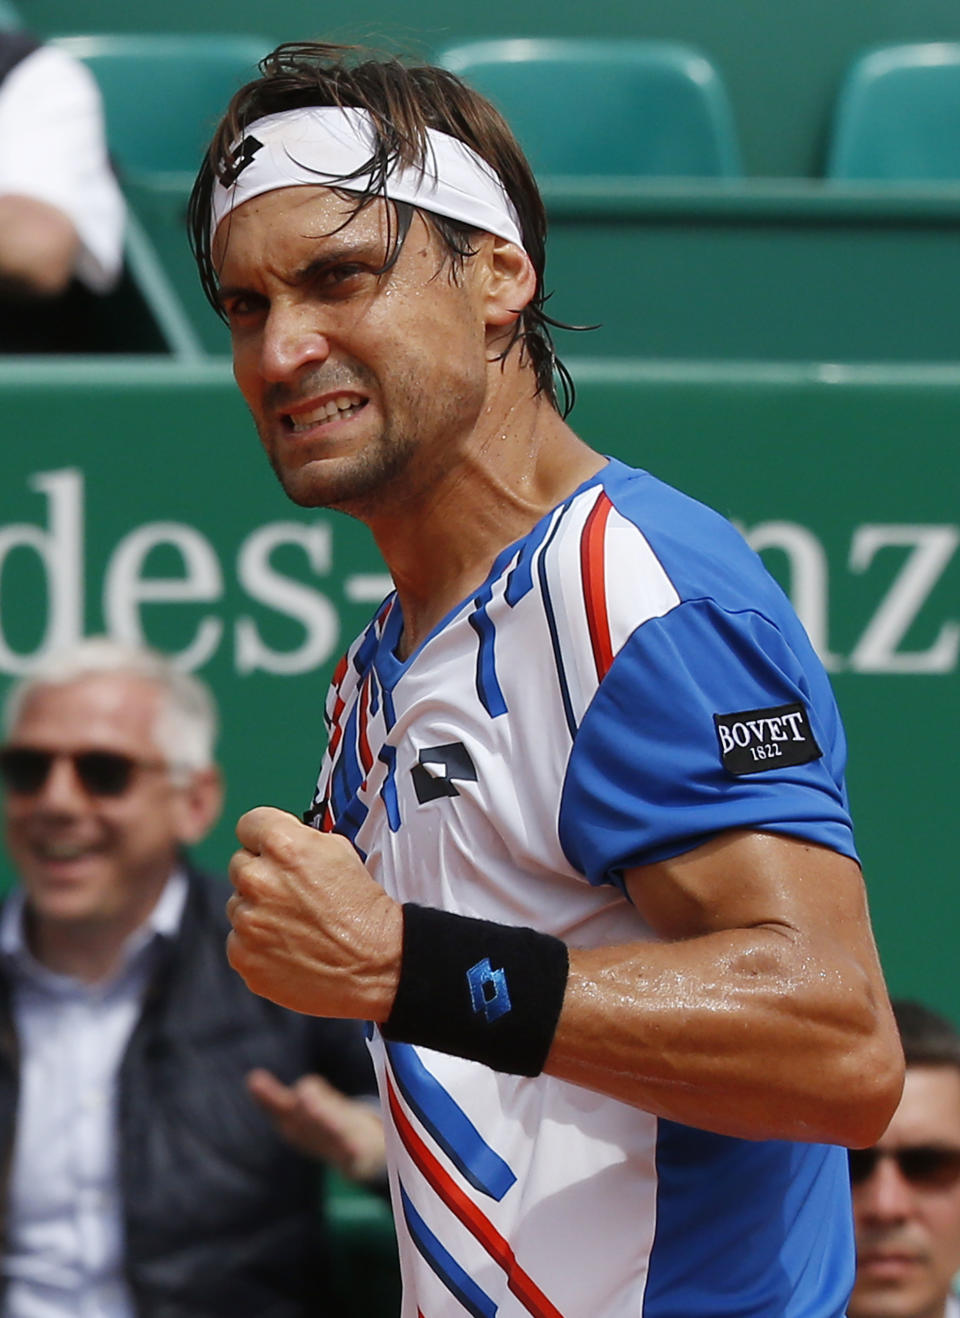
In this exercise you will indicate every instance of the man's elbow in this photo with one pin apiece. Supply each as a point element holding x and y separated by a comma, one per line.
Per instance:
<point>871,1084</point>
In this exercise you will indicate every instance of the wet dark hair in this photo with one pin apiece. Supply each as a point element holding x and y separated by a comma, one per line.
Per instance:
<point>403,101</point>
<point>928,1038</point>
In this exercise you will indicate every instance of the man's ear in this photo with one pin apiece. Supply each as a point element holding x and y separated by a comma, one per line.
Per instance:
<point>511,281</point>
<point>200,803</point>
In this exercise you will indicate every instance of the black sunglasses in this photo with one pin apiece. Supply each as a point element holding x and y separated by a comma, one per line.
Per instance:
<point>930,1166</point>
<point>25,769</point>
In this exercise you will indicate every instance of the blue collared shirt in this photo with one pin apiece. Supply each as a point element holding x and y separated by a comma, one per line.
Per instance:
<point>65,1247</point>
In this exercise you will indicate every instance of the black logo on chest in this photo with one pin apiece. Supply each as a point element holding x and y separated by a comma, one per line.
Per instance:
<point>437,769</point>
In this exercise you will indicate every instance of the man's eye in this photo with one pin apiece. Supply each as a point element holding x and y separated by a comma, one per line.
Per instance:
<point>339,276</point>
<point>242,308</point>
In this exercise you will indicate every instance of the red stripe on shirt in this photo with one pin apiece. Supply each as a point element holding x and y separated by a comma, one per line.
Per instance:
<point>479,1226</point>
<point>337,732</point>
<point>363,745</point>
<point>593,571</point>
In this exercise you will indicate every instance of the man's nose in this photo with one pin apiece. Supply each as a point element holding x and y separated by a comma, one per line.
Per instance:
<point>61,789</point>
<point>293,336</point>
<point>886,1195</point>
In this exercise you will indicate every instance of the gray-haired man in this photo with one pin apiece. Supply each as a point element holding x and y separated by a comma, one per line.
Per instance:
<point>142,1176</point>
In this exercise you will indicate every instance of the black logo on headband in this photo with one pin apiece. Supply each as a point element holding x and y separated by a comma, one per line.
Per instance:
<point>248,149</point>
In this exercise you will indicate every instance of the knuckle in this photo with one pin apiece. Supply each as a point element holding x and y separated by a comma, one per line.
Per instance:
<point>243,919</point>
<point>240,869</point>
<point>234,952</point>
<point>283,849</point>
<point>338,842</point>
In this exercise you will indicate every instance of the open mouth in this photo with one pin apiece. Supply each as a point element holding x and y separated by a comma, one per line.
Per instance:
<point>54,850</point>
<point>339,408</point>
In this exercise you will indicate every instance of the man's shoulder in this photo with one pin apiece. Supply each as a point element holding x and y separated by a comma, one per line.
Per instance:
<point>5,906</point>
<point>33,63</point>
<point>699,550</point>
<point>205,909</point>
<point>200,938</point>
<point>657,508</point>
<point>15,46</point>
<point>209,883</point>
<point>642,547</point>
<point>200,978</point>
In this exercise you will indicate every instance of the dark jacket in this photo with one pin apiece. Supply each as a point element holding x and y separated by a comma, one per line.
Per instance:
<point>221,1216</point>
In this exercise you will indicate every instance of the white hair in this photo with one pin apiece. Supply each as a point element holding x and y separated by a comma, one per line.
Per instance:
<point>186,726</point>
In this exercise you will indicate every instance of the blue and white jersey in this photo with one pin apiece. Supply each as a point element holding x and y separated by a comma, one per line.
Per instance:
<point>627,683</point>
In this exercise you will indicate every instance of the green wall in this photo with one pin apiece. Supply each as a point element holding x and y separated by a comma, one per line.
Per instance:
<point>136,498</point>
<point>782,59</point>
<point>696,270</point>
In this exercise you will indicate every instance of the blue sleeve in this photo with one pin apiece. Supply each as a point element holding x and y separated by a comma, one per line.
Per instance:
<point>673,748</point>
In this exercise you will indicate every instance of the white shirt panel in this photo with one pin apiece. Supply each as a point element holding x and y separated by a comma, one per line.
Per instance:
<point>585,1173</point>
<point>53,148</point>
<point>571,1151</point>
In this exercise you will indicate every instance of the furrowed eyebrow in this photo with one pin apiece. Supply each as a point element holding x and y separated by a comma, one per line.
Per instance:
<point>228,291</point>
<point>365,251</point>
<point>346,254</point>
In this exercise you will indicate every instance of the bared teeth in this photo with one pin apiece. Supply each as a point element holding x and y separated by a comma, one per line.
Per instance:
<point>343,405</point>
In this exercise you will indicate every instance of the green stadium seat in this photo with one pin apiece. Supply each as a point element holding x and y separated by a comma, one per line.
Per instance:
<point>9,18</point>
<point>579,106</point>
<point>898,114</point>
<point>163,93</point>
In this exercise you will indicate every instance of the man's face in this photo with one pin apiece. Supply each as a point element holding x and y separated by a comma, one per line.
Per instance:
<point>81,856</point>
<point>365,388</point>
<point>908,1233</point>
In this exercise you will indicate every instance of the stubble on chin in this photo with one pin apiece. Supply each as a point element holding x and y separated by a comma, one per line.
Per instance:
<point>360,484</point>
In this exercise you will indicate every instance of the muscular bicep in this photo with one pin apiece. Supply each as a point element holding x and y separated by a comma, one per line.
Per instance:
<point>758,1010</point>
<point>749,880</point>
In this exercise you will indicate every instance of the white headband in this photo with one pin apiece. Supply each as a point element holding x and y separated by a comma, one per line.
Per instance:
<point>323,144</point>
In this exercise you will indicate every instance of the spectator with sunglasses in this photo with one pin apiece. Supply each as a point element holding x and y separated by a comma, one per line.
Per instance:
<point>147,1098</point>
<point>906,1188</point>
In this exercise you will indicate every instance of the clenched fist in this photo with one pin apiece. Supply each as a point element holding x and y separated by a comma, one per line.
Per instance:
<point>311,929</point>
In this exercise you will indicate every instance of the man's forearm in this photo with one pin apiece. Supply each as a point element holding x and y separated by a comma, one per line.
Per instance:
<point>38,247</point>
<point>747,1032</point>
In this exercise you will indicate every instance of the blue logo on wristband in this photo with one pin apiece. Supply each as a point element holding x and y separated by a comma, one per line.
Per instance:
<point>488,991</point>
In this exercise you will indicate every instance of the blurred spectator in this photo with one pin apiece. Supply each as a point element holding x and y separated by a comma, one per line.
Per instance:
<point>906,1189</point>
<point>141,1177</point>
<point>61,209</point>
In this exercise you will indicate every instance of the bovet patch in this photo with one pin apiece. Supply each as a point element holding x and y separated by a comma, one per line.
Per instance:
<point>755,740</point>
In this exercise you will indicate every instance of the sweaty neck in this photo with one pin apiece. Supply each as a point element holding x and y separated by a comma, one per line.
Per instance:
<point>520,462</point>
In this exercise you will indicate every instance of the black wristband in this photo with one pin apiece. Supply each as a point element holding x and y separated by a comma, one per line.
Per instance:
<point>488,992</point>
